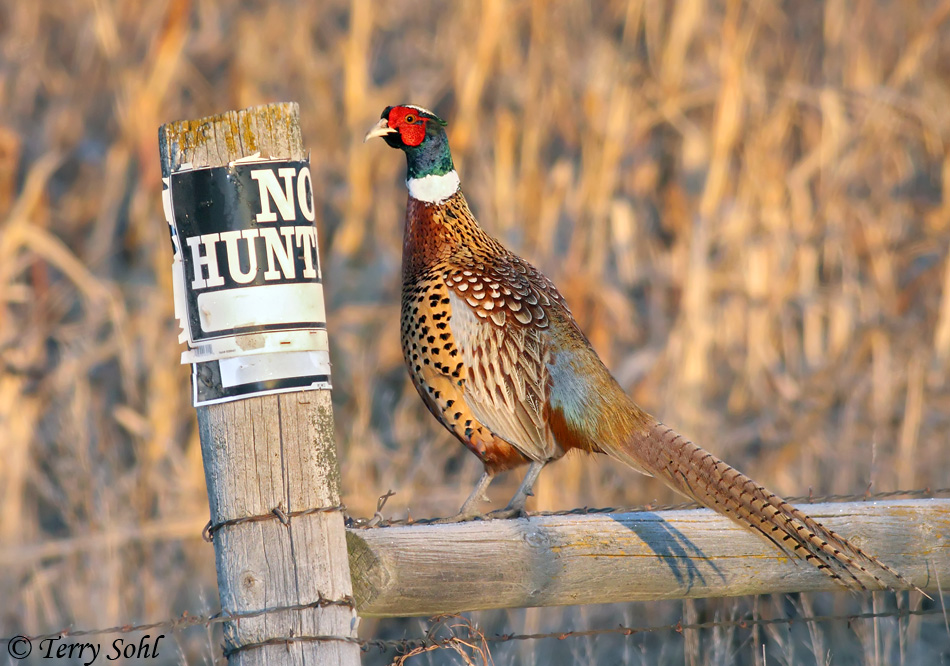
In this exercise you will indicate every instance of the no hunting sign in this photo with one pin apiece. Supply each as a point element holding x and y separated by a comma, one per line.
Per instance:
<point>248,289</point>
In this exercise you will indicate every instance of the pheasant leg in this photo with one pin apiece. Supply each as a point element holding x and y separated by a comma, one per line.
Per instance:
<point>469,510</point>
<point>515,507</point>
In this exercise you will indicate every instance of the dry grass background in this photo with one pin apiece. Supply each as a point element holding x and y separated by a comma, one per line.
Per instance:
<point>744,203</point>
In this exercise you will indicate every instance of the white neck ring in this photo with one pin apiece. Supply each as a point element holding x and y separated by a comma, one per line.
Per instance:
<point>433,188</point>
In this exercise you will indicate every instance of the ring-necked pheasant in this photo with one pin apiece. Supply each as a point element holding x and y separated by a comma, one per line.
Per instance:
<point>498,359</point>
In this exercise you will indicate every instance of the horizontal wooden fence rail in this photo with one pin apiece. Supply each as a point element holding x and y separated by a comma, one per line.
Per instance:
<point>581,559</point>
<point>603,558</point>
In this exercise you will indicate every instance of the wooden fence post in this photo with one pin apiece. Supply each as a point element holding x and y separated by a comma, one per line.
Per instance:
<point>272,457</point>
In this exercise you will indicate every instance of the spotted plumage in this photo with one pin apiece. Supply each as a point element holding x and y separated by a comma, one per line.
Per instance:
<point>498,359</point>
<point>447,260</point>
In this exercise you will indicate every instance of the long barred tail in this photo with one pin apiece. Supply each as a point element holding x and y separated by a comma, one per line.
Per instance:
<point>700,475</point>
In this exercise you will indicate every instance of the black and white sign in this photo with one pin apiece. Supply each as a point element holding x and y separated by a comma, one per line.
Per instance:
<point>249,249</point>
<point>248,287</point>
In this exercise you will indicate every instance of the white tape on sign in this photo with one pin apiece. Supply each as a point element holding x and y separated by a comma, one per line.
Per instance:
<point>271,304</point>
<point>244,345</point>
<point>267,367</point>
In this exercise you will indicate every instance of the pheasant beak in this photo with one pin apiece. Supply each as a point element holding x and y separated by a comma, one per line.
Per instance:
<point>381,128</point>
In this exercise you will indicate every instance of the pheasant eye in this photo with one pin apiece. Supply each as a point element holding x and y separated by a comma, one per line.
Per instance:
<point>410,118</point>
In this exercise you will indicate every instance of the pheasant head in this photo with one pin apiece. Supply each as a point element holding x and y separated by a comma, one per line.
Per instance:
<point>421,135</point>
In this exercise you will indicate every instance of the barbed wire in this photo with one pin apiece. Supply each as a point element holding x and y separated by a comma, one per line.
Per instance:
<point>744,623</point>
<point>430,639</point>
<point>277,513</point>
<point>187,620</point>
<point>378,521</point>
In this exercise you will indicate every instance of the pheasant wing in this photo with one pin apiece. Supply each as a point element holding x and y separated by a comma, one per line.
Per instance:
<point>500,326</point>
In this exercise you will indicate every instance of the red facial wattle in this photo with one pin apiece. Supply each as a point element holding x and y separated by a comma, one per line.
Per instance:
<point>412,128</point>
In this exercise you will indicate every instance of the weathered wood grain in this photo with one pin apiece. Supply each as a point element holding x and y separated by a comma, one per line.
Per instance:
<point>560,560</point>
<point>270,451</point>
